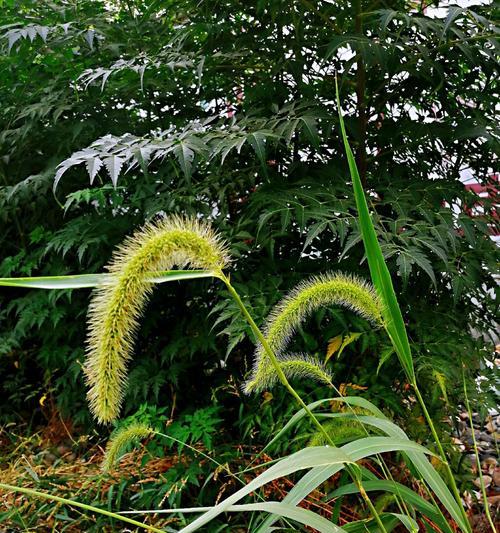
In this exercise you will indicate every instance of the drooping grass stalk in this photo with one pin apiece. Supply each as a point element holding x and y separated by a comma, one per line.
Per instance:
<point>478,462</point>
<point>393,317</point>
<point>119,303</point>
<point>116,307</point>
<point>282,377</point>
<point>339,289</point>
<point>66,501</point>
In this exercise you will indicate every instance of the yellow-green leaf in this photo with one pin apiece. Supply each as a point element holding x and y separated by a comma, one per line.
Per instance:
<point>350,337</point>
<point>333,346</point>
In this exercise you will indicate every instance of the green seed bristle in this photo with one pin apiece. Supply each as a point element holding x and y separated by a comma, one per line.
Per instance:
<point>294,366</point>
<point>340,431</point>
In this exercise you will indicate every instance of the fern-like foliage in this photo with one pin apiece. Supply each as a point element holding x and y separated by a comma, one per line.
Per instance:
<point>121,440</point>
<point>58,32</point>
<point>171,59</point>
<point>199,140</point>
<point>115,309</point>
<point>326,290</point>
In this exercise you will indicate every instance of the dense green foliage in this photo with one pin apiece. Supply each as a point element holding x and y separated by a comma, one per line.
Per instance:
<point>115,112</point>
<point>232,112</point>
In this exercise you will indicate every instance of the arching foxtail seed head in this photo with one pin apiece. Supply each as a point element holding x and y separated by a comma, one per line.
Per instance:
<point>120,440</point>
<point>116,307</point>
<point>321,291</point>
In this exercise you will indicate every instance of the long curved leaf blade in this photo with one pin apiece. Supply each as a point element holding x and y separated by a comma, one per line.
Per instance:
<point>357,450</point>
<point>57,282</point>
<point>392,314</point>
<point>390,521</point>
<point>378,268</point>
<point>425,468</point>
<point>308,458</point>
<point>299,415</point>
<point>81,281</point>
<point>73,503</point>
<point>303,516</point>
<point>367,446</point>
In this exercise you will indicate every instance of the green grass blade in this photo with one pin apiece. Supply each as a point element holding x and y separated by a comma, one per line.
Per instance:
<point>367,446</point>
<point>356,450</point>
<point>316,457</point>
<point>393,318</point>
<point>81,281</point>
<point>299,415</point>
<point>378,269</point>
<point>396,435</point>
<point>297,514</point>
<point>303,516</point>
<point>425,468</point>
<point>56,282</point>
<point>411,497</point>
<point>390,521</point>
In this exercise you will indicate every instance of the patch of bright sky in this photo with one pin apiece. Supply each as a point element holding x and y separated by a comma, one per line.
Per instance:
<point>444,5</point>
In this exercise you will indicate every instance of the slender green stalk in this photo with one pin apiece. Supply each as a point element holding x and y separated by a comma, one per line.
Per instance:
<point>478,463</point>
<point>449,473</point>
<point>45,496</point>
<point>281,375</point>
<point>202,454</point>
<point>270,354</point>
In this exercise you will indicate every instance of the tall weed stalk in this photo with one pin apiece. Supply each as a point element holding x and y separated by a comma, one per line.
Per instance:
<point>382,281</point>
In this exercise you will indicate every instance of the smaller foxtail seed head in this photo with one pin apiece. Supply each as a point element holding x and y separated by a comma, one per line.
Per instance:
<point>322,291</point>
<point>120,441</point>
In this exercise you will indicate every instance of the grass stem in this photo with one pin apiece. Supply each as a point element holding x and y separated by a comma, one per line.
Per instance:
<point>45,496</point>
<point>449,473</point>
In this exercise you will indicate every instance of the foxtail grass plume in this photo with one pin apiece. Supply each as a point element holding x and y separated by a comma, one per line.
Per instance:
<point>325,290</point>
<point>118,443</point>
<point>116,307</point>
